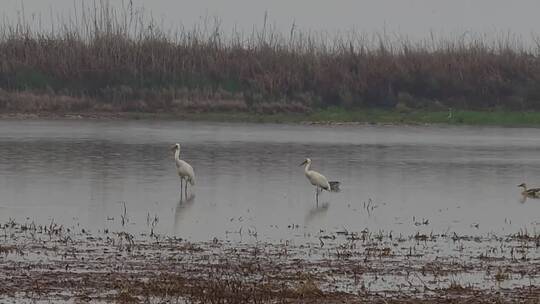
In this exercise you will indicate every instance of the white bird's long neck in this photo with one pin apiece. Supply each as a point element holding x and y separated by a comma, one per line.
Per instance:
<point>177,154</point>
<point>307,167</point>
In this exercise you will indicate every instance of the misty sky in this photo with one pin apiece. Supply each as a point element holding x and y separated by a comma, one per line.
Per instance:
<point>412,18</point>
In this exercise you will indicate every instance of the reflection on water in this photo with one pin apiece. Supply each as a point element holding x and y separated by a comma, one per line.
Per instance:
<point>532,198</point>
<point>76,172</point>
<point>317,212</point>
<point>182,211</point>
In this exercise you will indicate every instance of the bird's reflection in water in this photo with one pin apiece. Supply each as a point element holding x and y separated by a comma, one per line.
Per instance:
<point>183,206</point>
<point>525,197</point>
<point>317,212</point>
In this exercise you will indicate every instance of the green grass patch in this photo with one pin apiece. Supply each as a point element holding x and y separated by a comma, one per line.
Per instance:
<point>369,116</point>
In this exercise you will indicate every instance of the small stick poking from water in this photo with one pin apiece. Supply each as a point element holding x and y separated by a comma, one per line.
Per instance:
<point>152,222</point>
<point>124,215</point>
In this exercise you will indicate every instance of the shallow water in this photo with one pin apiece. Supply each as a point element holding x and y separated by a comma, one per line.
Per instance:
<point>249,186</point>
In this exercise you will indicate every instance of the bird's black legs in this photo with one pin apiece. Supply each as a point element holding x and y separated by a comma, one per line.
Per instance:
<point>181,187</point>
<point>317,195</point>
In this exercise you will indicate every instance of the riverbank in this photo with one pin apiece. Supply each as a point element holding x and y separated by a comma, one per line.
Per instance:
<point>333,116</point>
<point>56,263</point>
<point>119,60</point>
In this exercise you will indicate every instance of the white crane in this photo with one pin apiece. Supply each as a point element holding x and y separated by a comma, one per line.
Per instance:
<point>318,180</point>
<point>185,170</point>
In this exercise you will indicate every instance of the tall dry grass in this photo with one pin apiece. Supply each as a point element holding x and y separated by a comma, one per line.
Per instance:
<point>119,59</point>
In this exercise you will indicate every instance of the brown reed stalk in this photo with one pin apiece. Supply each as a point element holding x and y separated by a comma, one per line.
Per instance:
<point>120,57</point>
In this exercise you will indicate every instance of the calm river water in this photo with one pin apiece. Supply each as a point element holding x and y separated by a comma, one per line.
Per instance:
<point>249,186</point>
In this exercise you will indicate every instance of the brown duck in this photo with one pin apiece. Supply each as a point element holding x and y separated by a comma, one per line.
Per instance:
<point>533,192</point>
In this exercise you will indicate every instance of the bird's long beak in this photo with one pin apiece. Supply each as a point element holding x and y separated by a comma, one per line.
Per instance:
<point>303,163</point>
<point>173,147</point>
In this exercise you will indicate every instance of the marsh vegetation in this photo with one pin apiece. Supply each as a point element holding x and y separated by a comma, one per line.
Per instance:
<point>107,59</point>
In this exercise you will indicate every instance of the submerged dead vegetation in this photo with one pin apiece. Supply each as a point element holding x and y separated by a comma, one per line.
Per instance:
<point>55,263</point>
<point>109,59</point>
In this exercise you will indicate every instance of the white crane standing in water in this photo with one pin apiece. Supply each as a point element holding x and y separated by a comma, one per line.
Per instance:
<point>185,170</point>
<point>318,180</point>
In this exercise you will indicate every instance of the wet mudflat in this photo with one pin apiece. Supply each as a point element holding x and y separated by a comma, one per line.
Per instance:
<point>91,211</point>
<point>52,263</point>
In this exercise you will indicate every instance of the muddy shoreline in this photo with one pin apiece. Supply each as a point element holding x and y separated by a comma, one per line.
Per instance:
<point>54,263</point>
<point>211,117</point>
<point>329,117</point>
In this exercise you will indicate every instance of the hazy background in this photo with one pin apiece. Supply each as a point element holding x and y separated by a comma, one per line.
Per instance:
<point>410,18</point>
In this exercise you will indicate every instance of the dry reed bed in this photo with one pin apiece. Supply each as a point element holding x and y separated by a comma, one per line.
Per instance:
<point>55,263</point>
<point>116,60</point>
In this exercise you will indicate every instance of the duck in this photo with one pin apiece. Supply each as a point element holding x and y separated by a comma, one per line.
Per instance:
<point>533,192</point>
